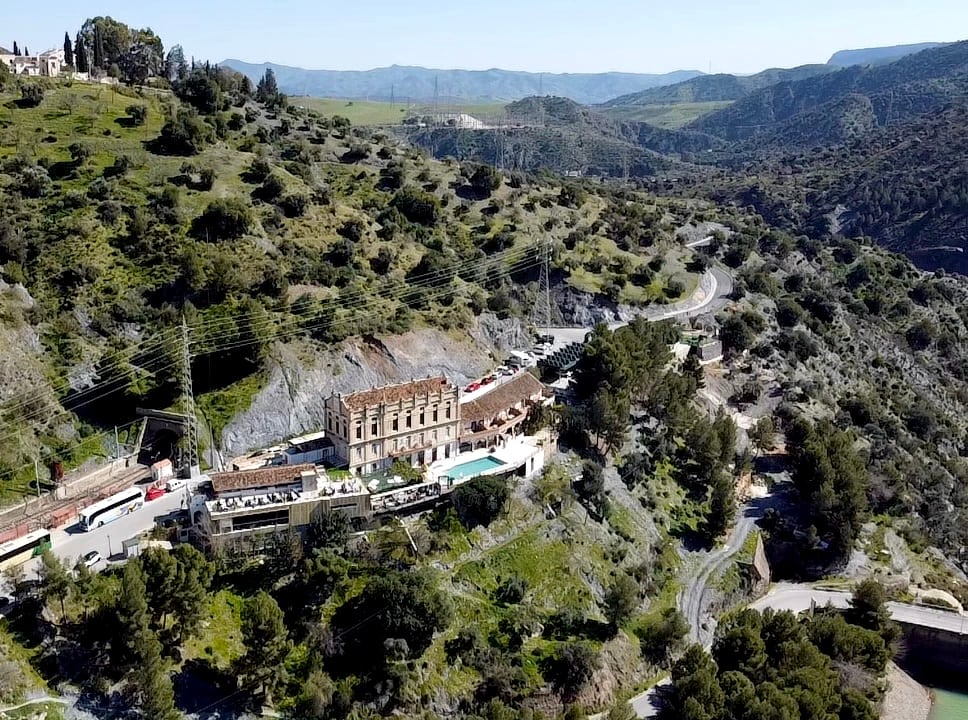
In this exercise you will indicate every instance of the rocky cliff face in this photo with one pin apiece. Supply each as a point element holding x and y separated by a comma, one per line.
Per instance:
<point>301,378</point>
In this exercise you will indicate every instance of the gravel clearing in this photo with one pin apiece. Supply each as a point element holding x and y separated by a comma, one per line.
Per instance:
<point>906,699</point>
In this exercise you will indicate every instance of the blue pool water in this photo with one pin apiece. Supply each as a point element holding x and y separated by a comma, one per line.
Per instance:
<point>473,468</point>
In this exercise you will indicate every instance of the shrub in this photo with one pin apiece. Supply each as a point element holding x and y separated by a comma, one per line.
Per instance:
<point>184,134</point>
<point>224,219</point>
<point>480,501</point>
<point>31,95</point>
<point>486,179</point>
<point>137,113</point>
<point>417,206</point>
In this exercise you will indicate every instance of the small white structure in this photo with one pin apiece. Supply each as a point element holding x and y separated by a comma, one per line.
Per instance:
<point>162,471</point>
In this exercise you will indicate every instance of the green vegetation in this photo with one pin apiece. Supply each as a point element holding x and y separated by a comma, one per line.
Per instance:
<point>367,112</point>
<point>774,665</point>
<point>135,207</point>
<point>669,116</point>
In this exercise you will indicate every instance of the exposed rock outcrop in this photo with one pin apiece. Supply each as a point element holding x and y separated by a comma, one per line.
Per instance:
<point>301,378</point>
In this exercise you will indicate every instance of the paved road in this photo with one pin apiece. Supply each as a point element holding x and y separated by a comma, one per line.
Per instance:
<point>70,543</point>
<point>797,598</point>
<point>711,296</point>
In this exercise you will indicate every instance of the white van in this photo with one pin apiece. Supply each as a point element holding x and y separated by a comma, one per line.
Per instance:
<point>174,484</point>
<point>518,359</point>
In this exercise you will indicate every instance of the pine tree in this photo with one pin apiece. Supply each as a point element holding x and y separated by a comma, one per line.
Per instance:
<point>154,682</point>
<point>68,50</point>
<point>26,51</point>
<point>132,615</point>
<point>56,580</point>
<point>16,49</point>
<point>80,56</point>
<point>266,640</point>
<point>267,90</point>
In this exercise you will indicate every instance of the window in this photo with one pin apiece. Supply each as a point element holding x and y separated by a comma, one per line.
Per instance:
<point>359,431</point>
<point>434,435</point>
<point>421,439</point>
<point>447,411</point>
<point>396,445</point>
<point>329,424</point>
<point>359,453</point>
<point>448,431</point>
<point>422,422</point>
<point>396,423</point>
<point>435,413</point>
<point>375,449</point>
<point>373,428</point>
<point>409,419</point>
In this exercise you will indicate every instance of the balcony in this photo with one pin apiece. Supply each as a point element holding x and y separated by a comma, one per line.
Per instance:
<point>485,431</point>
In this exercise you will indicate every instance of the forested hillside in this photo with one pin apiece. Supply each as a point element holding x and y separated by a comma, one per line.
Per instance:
<point>557,134</point>
<point>711,88</point>
<point>859,98</point>
<point>126,210</point>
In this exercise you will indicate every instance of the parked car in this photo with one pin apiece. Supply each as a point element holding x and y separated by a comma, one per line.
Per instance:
<point>154,493</point>
<point>472,387</point>
<point>91,559</point>
<point>488,380</point>
<point>175,484</point>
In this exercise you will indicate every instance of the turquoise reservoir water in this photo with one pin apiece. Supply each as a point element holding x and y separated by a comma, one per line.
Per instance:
<point>474,467</point>
<point>949,705</point>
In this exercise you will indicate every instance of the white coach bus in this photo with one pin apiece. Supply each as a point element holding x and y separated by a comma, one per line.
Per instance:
<point>20,550</point>
<point>111,508</point>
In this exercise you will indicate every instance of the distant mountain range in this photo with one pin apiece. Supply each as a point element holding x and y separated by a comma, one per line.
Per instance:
<point>834,107</point>
<point>874,56</point>
<point>422,84</point>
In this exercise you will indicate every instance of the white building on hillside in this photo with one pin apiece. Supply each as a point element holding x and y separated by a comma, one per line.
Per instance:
<point>47,64</point>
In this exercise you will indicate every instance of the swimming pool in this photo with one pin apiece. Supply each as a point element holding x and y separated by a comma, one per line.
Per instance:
<point>474,468</point>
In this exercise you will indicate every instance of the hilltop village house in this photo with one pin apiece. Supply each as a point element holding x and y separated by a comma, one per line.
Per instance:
<point>47,64</point>
<point>417,422</point>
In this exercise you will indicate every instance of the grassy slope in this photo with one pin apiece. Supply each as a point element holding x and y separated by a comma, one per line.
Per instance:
<point>669,116</point>
<point>366,112</point>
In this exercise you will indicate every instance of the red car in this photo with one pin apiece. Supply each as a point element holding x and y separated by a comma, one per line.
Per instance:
<point>154,493</point>
<point>472,387</point>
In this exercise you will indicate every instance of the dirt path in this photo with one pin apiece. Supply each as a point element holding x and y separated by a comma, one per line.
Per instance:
<point>693,601</point>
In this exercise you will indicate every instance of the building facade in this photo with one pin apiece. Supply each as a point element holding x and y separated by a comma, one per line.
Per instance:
<point>269,499</point>
<point>47,64</point>
<point>417,422</point>
<point>498,414</point>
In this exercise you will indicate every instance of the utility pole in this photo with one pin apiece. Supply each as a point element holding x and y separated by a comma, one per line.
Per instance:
<point>117,444</point>
<point>37,476</point>
<point>191,431</point>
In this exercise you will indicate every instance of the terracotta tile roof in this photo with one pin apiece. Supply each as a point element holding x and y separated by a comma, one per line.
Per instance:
<point>260,477</point>
<point>522,387</point>
<point>395,393</point>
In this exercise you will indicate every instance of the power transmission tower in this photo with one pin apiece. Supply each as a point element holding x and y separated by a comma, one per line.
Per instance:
<point>436,95</point>
<point>191,463</point>
<point>541,312</point>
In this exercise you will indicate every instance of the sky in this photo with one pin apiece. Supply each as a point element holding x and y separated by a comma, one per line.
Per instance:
<point>738,36</point>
